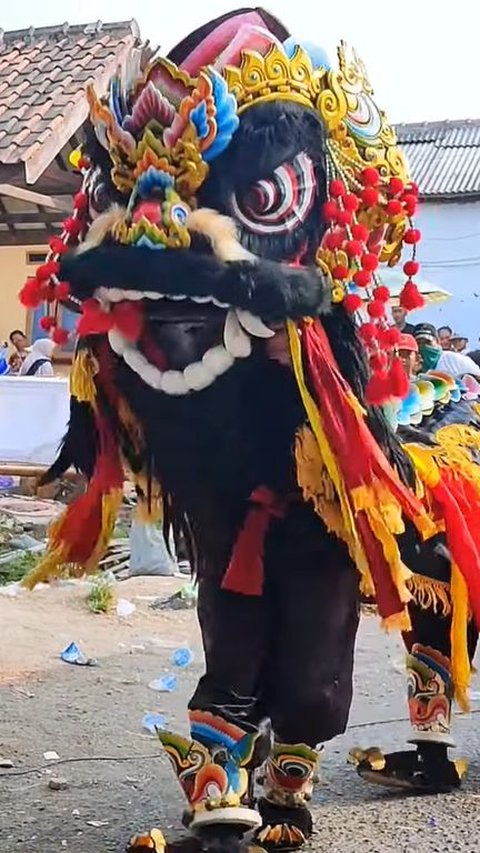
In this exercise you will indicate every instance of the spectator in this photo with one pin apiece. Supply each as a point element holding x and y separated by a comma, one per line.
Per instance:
<point>434,358</point>
<point>21,349</point>
<point>459,342</point>
<point>39,360</point>
<point>408,352</point>
<point>399,320</point>
<point>445,337</point>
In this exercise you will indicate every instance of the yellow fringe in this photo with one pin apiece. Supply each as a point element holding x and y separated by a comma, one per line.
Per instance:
<point>430,594</point>
<point>316,485</point>
<point>354,545</point>
<point>56,561</point>
<point>397,622</point>
<point>461,673</point>
<point>385,520</point>
<point>82,384</point>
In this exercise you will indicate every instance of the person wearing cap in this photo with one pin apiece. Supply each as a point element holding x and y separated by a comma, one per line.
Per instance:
<point>434,358</point>
<point>408,354</point>
<point>458,342</point>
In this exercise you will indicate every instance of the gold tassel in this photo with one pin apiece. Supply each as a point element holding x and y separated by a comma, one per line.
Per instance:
<point>430,594</point>
<point>82,384</point>
<point>397,622</point>
<point>315,483</point>
<point>461,673</point>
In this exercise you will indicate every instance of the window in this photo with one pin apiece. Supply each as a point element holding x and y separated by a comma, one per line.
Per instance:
<point>35,258</point>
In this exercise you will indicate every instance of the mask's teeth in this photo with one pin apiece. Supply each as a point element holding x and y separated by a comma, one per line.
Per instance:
<point>217,360</point>
<point>253,325</point>
<point>236,341</point>
<point>197,376</point>
<point>174,383</point>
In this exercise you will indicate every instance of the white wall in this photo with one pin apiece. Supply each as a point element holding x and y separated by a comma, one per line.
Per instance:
<point>450,257</point>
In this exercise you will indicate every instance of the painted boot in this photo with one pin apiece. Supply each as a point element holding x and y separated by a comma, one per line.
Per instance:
<point>288,777</point>
<point>214,769</point>
<point>428,768</point>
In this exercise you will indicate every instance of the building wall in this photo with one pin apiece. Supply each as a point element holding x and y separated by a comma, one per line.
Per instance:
<point>450,257</point>
<point>14,270</point>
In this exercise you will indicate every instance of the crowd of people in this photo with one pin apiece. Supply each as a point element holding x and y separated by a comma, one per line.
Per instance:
<point>423,347</point>
<point>28,359</point>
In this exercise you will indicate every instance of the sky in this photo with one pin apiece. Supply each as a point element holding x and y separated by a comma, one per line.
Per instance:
<point>421,55</point>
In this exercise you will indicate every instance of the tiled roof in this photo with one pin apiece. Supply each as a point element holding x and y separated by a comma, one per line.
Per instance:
<point>444,157</point>
<point>43,76</point>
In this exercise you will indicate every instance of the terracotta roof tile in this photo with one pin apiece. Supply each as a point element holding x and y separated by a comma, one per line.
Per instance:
<point>43,73</point>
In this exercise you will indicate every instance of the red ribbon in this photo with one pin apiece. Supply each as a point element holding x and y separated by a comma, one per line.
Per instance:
<point>245,572</point>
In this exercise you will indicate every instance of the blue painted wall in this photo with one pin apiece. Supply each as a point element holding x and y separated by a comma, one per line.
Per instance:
<point>450,257</point>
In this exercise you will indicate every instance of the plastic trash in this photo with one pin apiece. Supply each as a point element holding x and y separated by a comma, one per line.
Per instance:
<point>165,684</point>
<point>152,722</point>
<point>182,657</point>
<point>51,755</point>
<point>125,608</point>
<point>73,654</point>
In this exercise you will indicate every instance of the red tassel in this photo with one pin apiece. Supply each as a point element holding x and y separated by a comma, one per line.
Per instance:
<point>399,383</point>
<point>410,297</point>
<point>377,391</point>
<point>30,296</point>
<point>45,271</point>
<point>245,571</point>
<point>62,291</point>
<point>129,319</point>
<point>60,336</point>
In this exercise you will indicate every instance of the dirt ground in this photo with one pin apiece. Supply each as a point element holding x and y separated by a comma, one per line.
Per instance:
<point>121,782</point>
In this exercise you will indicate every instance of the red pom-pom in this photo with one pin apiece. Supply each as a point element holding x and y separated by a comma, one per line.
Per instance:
<point>411,268</point>
<point>57,246</point>
<point>344,217</point>
<point>362,278</point>
<point>414,188</point>
<point>337,188</point>
<point>73,226</point>
<point>351,202</point>
<point>128,318</point>
<point>62,291</point>
<point>84,163</point>
<point>399,383</point>
<point>80,202</point>
<point>352,302</point>
<point>47,323</point>
<point>330,211</point>
<point>376,309</point>
<point>360,232</point>
<point>382,293</point>
<point>410,297</point>
<point>60,336</point>
<point>393,207</point>
<point>370,177</point>
<point>395,186</point>
<point>340,272</point>
<point>368,333</point>
<point>377,391</point>
<point>412,236</point>
<point>390,337</point>
<point>30,296</point>
<point>94,321</point>
<point>369,262</point>
<point>45,271</point>
<point>354,248</point>
<point>370,196</point>
<point>409,203</point>
<point>378,361</point>
<point>334,239</point>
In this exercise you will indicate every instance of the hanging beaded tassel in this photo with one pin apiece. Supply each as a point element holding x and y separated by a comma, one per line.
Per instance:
<point>364,216</point>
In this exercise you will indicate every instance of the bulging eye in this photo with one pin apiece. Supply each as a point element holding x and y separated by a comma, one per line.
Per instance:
<point>281,202</point>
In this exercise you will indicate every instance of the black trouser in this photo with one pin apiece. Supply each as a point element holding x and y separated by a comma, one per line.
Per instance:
<point>431,559</point>
<point>287,655</point>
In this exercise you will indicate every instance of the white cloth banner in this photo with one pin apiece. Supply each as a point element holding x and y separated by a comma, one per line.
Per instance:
<point>34,413</point>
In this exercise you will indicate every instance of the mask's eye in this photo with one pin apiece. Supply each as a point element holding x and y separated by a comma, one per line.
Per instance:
<point>279,203</point>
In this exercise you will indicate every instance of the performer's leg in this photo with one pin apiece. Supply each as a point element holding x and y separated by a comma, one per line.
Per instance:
<point>430,684</point>
<point>316,611</point>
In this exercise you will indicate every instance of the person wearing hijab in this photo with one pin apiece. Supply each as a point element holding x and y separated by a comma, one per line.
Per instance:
<point>39,360</point>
